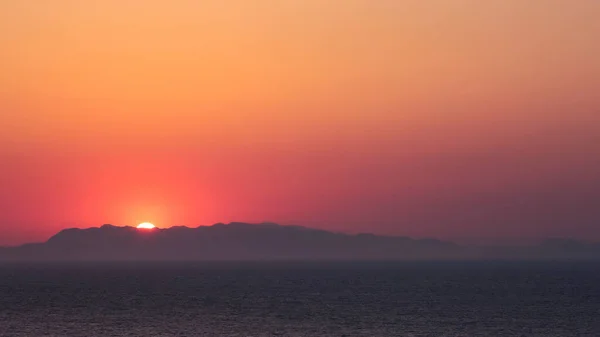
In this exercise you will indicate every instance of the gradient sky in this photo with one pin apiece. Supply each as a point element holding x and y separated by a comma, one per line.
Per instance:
<point>456,119</point>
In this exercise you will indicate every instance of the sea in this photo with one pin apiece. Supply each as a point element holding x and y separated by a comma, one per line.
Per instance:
<point>493,298</point>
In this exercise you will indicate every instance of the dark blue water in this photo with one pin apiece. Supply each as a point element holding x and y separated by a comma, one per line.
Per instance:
<point>301,299</point>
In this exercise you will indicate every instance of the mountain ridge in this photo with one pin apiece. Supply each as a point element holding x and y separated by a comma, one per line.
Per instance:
<point>269,241</point>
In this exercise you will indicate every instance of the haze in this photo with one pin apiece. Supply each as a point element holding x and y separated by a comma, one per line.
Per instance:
<point>462,119</point>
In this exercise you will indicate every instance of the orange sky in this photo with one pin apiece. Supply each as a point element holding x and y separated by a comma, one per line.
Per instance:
<point>454,119</point>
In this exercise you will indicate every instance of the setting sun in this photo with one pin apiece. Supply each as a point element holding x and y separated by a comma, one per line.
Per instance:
<point>146,225</point>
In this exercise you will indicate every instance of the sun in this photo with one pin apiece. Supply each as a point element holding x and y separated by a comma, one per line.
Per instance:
<point>146,225</point>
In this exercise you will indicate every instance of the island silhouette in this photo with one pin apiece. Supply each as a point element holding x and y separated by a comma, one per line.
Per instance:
<point>269,241</point>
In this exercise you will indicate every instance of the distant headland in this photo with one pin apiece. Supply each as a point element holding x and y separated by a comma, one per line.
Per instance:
<point>269,241</point>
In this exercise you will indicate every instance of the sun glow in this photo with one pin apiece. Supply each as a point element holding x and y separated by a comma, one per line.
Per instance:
<point>146,225</point>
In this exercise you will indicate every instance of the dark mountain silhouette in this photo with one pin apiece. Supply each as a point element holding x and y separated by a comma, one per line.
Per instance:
<point>267,241</point>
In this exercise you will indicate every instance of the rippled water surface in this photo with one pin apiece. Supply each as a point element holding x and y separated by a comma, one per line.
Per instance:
<point>301,299</point>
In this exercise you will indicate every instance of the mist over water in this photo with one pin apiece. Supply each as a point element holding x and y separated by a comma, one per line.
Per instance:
<point>301,299</point>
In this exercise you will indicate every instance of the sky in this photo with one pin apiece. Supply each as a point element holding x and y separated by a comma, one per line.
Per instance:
<point>461,119</point>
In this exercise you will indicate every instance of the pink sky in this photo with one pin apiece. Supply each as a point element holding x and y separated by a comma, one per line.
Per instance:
<point>453,119</point>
